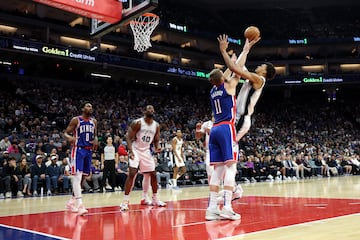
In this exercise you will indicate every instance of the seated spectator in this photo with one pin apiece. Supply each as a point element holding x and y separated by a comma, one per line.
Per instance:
<point>38,175</point>
<point>122,169</point>
<point>280,168</point>
<point>13,148</point>
<point>4,144</point>
<point>308,170</point>
<point>65,174</point>
<point>12,179</point>
<point>248,169</point>
<point>324,166</point>
<point>347,165</point>
<point>26,176</point>
<point>122,149</point>
<point>4,158</point>
<point>290,166</point>
<point>161,173</point>
<point>261,168</point>
<point>94,178</point>
<point>53,171</point>
<point>318,166</point>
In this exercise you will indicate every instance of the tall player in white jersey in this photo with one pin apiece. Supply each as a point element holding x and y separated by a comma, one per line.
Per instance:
<point>141,134</point>
<point>177,148</point>
<point>250,90</point>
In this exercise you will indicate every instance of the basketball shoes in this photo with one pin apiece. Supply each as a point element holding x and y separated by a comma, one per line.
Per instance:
<point>82,210</point>
<point>212,214</point>
<point>228,213</point>
<point>157,202</point>
<point>124,206</point>
<point>71,205</point>
<point>145,202</point>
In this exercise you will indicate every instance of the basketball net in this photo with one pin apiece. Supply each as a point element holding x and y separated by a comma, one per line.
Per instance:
<point>142,28</point>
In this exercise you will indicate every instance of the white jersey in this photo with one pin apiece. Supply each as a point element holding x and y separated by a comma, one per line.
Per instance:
<point>145,135</point>
<point>247,99</point>
<point>179,162</point>
<point>178,145</point>
<point>205,128</point>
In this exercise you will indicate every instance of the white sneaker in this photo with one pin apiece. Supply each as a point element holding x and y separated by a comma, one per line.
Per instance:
<point>48,193</point>
<point>2,196</point>
<point>228,213</point>
<point>157,202</point>
<point>212,214</point>
<point>35,193</point>
<point>124,206</point>
<point>20,194</point>
<point>82,210</point>
<point>146,202</point>
<point>237,192</point>
<point>8,195</point>
<point>168,186</point>
<point>108,187</point>
<point>71,206</point>
<point>252,180</point>
<point>117,188</point>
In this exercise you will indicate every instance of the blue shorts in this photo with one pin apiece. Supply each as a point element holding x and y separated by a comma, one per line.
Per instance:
<point>222,143</point>
<point>81,160</point>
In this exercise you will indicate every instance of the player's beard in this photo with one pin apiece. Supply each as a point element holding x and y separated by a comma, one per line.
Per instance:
<point>149,115</point>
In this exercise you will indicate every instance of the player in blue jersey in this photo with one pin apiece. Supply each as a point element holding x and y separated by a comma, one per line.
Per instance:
<point>82,135</point>
<point>222,141</point>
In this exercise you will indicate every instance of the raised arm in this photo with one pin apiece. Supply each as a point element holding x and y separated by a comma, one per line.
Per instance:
<point>238,67</point>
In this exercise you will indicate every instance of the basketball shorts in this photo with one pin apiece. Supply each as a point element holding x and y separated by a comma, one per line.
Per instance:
<point>143,160</point>
<point>222,144</point>
<point>81,160</point>
<point>179,162</point>
<point>243,126</point>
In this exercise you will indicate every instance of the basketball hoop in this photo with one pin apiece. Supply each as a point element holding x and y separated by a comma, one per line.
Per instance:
<point>142,28</point>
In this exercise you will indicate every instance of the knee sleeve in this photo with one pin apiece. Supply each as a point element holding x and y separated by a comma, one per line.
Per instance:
<point>217,175</point>
<point>230,172</point>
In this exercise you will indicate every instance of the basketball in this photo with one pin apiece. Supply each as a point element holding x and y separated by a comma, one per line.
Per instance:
<point>252,33</point>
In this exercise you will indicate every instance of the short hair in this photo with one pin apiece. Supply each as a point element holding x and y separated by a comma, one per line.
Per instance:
<point>270,71</point>
<point>215,76</point>
<point>83,103</point>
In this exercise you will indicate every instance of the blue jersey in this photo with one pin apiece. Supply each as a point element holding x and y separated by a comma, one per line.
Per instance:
<point>222,104</point>
<point>84,132</point>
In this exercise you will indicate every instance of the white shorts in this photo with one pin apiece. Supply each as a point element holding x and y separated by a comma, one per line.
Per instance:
<point>143,160</point>
<point>179,162</point>
<point>207,157</point>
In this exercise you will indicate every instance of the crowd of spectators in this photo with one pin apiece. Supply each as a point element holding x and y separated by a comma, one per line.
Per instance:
<point>292,136</point>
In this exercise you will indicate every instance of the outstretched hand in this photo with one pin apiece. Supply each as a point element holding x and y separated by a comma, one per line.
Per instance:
<point>249,44</point>
<point>223,42</point>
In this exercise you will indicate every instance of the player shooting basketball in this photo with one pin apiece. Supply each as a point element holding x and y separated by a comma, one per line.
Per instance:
<point>255,81</point>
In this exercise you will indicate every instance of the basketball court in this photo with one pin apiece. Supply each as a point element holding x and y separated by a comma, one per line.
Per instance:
<point>324,208</point>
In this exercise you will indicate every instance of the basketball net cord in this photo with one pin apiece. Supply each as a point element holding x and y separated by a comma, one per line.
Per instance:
<point>142,28</point>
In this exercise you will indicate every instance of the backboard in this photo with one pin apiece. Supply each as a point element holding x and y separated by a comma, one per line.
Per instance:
<point>131,9</point>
